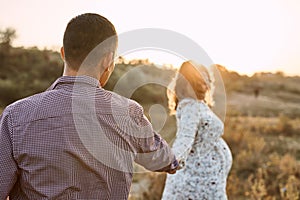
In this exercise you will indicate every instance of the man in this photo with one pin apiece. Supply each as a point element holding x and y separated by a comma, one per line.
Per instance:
<point>77,140</point>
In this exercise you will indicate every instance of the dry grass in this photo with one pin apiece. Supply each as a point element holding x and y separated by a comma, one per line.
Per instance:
<point>265,160</point>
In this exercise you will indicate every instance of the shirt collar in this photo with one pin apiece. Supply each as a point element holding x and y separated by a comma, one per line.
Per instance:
<point>75,79</point>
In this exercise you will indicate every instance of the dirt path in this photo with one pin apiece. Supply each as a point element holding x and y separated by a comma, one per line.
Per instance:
<point>261,105</point>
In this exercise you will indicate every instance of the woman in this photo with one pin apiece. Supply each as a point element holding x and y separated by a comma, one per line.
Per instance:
<point>204,156</point>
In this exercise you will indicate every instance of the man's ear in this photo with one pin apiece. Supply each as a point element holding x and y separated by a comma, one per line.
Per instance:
<point>62,53</point>
<point>107,61</point>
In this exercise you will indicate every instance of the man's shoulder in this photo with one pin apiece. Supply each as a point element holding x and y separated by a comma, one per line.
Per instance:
<point>23,108</point>
<point>120,102</point>
<point>27,101</point>
<point>123,100</point>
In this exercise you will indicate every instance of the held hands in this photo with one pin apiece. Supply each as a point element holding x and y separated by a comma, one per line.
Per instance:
<point>181,164</point>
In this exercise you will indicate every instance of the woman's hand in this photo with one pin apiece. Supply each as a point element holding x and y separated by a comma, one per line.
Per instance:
<point>181,164</point>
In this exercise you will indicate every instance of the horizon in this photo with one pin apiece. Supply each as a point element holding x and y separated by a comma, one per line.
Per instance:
<point>174,63</point>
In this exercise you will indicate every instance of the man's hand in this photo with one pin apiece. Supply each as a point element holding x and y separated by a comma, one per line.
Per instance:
<point>172,171</point>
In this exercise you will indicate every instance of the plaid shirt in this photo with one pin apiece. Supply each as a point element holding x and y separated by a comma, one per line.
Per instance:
<point>76,141</point>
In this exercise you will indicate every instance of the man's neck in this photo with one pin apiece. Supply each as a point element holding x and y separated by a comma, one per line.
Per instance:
<point>71,72</point>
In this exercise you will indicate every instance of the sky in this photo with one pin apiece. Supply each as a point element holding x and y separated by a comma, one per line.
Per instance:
<point>245,36</point>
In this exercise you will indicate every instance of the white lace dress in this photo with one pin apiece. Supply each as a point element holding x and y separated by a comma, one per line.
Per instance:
<point>206,156</point>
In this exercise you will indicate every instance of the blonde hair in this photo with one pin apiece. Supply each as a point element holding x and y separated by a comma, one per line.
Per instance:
<point>191,81</point>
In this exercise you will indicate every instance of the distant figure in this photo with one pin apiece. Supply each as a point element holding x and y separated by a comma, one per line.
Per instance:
<point>204,155</point>
<point>256,92</point>
<point>77,140</point>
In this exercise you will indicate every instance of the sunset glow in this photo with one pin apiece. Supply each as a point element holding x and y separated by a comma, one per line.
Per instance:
<point>244,36</point>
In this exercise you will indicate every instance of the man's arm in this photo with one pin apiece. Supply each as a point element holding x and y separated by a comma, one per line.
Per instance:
<point>154,152</point>
<point>156,155</point>
<point>8,166</point>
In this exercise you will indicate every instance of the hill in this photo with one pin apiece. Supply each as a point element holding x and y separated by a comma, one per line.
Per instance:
<point>24,72</point>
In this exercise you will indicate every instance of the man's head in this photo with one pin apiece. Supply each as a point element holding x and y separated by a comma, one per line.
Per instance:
<point>82,35</point>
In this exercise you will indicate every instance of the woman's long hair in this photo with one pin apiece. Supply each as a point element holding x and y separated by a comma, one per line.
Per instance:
<point>191,81</point>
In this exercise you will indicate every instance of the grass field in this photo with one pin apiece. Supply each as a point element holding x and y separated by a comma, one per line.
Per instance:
<point>264,136</point>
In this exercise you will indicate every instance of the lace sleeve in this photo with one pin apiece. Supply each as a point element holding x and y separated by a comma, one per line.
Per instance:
<point>188,114</point>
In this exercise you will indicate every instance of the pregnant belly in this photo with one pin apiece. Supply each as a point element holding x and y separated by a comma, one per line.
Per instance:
<point>213,158</point>
<point>226,153</point>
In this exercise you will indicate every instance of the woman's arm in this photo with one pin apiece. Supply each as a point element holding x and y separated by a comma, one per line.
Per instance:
<point>187,122</point>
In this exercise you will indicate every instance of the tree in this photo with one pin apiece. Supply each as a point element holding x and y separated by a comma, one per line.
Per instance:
<point>7,36</point>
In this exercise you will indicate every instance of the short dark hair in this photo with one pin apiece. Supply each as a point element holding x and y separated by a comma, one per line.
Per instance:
<point>83,33</point>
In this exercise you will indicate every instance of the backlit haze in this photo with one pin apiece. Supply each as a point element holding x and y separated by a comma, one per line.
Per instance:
<point>244,36</point>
